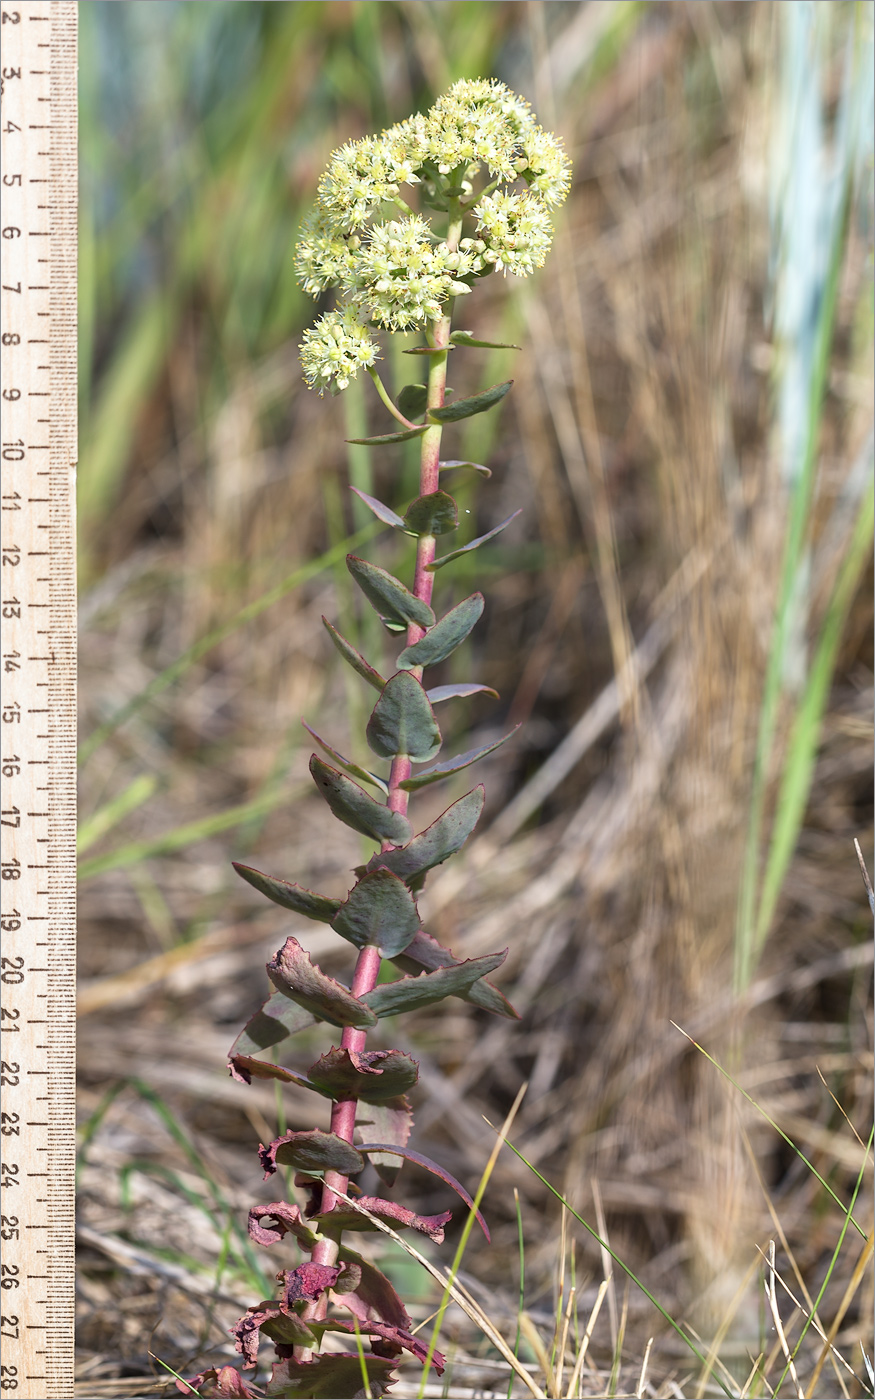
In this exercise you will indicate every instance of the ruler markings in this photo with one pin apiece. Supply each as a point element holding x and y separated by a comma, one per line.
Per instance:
<point>37,853</point>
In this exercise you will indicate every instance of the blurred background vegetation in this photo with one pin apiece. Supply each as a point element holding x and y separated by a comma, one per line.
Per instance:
<point>682,623</point>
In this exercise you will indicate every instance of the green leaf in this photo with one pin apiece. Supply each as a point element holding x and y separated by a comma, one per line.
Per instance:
<point>294,897</point>
<point>352,805</point>
<point>386,438</point>
<point>274,1022</point>
<point>466,408</point>
<point>313,1151</point>
<point>373,1076</point>
<point>380,911</point>
<point>425,952</point>
<point>437,842</point>
<point>393,998</point>
<point>452,765</point>
<point>402,721</point>
<point>345,763</point>
<point>382,512</point>
<point>466,338</point>
<point>293,973</point>
<point>448,633</point>
<point>475,544</point>
<point>387,595</point>
<point>413,399</point>
<point>436,514</point>
<point>458,692</point>
<point>355,659</point>
<point>472,466</point>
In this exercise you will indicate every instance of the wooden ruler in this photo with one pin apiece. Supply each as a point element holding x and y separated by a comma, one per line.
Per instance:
<point>38,706</point>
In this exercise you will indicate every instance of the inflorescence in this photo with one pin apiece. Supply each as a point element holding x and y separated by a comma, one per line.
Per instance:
<point>478,153</point>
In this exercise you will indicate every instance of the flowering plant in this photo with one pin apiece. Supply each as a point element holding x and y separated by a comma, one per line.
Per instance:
<point>479,163</point>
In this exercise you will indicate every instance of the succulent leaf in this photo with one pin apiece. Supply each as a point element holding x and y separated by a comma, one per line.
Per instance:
<point>345,763</point>
<point>352,805</point>
<point>373,1294</point>
<point>425,952</point>
<point>474,544</point>
<point>453,765</point>
<point>434,1167</point>
<point>311,1151</point>
<point>277,1019</point>
<point>403,722</point>
<point>413,399</point>
<point>446,835</point>
<point>355,659</point>
<point>379,911</point>
<point>385,438</point>
<point>387,595</point>
<point>393,998</point>
<point>294,974</point>
<point>448,632</point>
<point>381,511</point>
<point>466,408</point>
<point>294,897</point>
<point>330,1376</point>
<point>387,1122</point>
<point>458,692</point>
<point>471,466</point>
<point>436,514</point>
<point>465,338</point>
<point>287,1219</point>
<point>374,1076</point>
<point>345,1217</point>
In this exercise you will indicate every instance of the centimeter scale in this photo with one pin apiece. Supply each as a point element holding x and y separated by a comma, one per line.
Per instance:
<point>38,705</point>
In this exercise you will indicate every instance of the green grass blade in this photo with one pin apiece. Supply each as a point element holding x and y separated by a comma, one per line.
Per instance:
<point>802,748</point>
<point>789,1141</point>
<point>113,813</point>
<point>186,835</point>
<point>617,1260</point>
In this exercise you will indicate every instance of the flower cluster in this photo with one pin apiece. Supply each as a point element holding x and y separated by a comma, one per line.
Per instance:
<point>390,267</point>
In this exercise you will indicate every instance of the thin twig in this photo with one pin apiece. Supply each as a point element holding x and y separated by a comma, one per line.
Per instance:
<point>772,1295</point>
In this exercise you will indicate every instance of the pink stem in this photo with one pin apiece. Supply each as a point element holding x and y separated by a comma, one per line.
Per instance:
<point>367,969</point>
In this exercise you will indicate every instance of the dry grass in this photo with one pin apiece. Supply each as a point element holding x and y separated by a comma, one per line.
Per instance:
<point>639,441</point>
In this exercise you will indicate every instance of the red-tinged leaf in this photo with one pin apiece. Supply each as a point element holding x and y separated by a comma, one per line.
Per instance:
<point>380,911</point>
<point>244,1069</point>
<point>312,1151</point>
<point>294,897</point>
<point>346,764</point>
<point>277,1321</point>
<point>355,659</point>
<point>435,514</point>
<point>448,633</point>
<point>287,1221</point>
<point>218,1383</point>
<point>382,512</point>
<point>386,1340</point>
<point>387,438</point>
<point>345,1217</point>
<point>373,1076</point>
<point>373,1295</point>
<point>459,692</point>
<point>352,805</point>
<point>403,722</point>
<point>308,1282</point>
<point>466,408</point>
<point>453,765</point>
<point>277,1019</point>
<point>471,466</point>
<point>425,952</point>
<point>368,1147</point>
<point>474,544</point>
<point>387,594</point>
<point>446,835</point>
<point>411,993</point>
<point>294,975</point>
<point>333,1376</point>
<point>386,1122</point>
